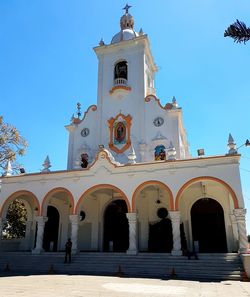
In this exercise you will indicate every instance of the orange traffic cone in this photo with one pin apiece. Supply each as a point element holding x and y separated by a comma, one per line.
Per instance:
<point>245,277</point>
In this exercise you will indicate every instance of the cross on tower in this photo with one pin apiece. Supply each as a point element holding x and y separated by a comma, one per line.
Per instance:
<point>127,7</point>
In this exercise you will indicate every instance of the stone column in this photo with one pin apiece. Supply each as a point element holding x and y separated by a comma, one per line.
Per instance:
<point>132,221</point>
<point>74,220</point>
<point>234,244</point>
<point>175,219</point>
<point>39,235</point>
<point>240,215</point>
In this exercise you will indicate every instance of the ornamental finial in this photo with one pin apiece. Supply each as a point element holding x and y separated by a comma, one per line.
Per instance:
<point>231,145</point>
<point>132,155</point>
<point>79,113</point>
<point>46,165</point>
<point>127,7</point>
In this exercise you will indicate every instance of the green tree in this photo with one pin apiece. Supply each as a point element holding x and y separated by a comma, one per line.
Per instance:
<point>238,31</point>
<point>16,218</point>
<point>12,144</point>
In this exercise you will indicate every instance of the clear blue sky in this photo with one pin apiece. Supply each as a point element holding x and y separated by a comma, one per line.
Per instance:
<point>47,65</point>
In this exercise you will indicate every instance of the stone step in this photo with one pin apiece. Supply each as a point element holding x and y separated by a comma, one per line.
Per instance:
<point>209,266</point>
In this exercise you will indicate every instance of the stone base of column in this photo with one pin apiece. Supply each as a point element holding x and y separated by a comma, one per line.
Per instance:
<point>176,253</point>
<point>37,251</point>
<point>130,252</point>
<point>242,251</point>
<point>246,263</point>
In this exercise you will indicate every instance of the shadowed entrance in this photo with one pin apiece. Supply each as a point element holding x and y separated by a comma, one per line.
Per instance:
<point>160,233</point>
<point>50,237</point>
<point>116,228</point>
<point>208,226</point>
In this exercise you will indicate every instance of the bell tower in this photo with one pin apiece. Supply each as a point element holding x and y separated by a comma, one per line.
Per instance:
<point>126,71</point>
<point>129,119</point>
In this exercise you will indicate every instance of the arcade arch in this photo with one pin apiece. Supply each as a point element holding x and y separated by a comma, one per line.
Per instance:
<point>31,205</point>
<point>151,201</point>
<point>202,202</point>
<point>99,204</point>
<point>57,205</point>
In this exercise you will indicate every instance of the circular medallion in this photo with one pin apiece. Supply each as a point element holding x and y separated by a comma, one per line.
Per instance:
<point>85,132</point>
<point>162,213</point>
<point>158,121</point>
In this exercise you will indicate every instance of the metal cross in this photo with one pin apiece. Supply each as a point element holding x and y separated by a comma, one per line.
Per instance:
<point>78,110</point>
<point>127,7</point>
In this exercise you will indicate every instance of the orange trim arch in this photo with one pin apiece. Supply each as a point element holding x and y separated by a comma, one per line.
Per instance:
<point>196,179</point>
<point>56,190</point>
<point>16,195</point>
<point>102,186</point>
<point>152,182</point>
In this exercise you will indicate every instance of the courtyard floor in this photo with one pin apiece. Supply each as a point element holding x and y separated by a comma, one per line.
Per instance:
<point>100,286</point>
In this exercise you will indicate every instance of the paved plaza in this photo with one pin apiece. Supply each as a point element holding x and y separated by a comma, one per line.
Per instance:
<point>100,286</point>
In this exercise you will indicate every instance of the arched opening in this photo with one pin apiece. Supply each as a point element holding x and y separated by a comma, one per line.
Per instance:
<point>93,208</point>
<point>16,218</point>
<point>18,213</point>
<point>63,201</point>
<point>116,228</point>
<point>121,70</point>
<point>208,226</point>
<point>154,226</point>
<point>50,238</point>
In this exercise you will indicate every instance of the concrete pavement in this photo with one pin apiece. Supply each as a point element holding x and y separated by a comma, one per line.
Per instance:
<point>100,286</point>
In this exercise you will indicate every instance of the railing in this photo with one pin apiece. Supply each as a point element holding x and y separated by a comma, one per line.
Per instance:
<point>120,82</point>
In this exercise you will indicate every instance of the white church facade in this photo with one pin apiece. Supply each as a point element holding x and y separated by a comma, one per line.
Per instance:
<point>131,184</point>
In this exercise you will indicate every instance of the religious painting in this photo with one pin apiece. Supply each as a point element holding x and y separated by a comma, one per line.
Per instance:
<point>119,129</point>
<point>120,133</point>
<point>160,153</point>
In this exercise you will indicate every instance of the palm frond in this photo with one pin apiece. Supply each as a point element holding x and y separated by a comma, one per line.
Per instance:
<point>238,31</point>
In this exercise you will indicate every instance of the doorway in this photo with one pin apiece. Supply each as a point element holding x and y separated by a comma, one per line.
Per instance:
<point>208,226</point>
<point>160,239</point>
<point>116,228</point>
<point>50,237</point>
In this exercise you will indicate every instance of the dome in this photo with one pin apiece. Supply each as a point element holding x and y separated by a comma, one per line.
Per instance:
<point>127,27</point>
<point>125,34</point>
<point>127,21</point>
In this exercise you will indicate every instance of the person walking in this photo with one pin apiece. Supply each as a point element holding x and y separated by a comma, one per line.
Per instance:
<point>68,247</point>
